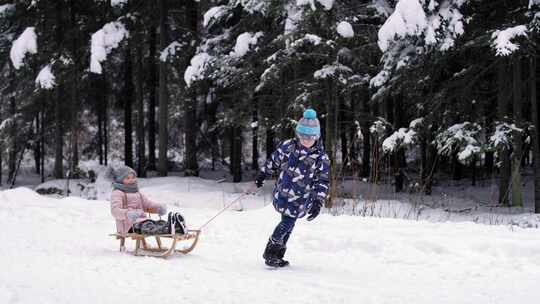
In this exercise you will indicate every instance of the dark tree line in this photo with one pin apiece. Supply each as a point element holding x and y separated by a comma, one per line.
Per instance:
<point>220,83</point>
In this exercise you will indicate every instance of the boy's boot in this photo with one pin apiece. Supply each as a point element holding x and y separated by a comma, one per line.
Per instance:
<point>280,254</point>
<point>271,254</point>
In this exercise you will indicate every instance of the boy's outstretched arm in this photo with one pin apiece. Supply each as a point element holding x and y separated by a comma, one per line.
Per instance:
<point>272,164</point>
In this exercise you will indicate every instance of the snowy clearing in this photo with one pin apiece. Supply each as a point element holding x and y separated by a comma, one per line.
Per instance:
<point>58,251</point>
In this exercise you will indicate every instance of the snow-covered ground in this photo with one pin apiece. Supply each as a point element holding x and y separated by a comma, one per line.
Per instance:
<point>57,251</point>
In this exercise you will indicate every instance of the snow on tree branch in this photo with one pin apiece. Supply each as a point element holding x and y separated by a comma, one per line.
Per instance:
<point>502,40</point>
<point>345,29</point>
<point>103,42</point>
<point>460,138</point>
<point>214,14</point>
<point>45,78</point>
<point>434,23</point>
<point>382,7</point>
<point>119,3</point>
<point>408,18</point>
<point>26,43</point>
<point>196,69</point>
<point>415,28</point>
<point>308,38</point>
<point>252,6</point>
<point>326,4</point>
<point>335,70</point>
<point>170,50</point>
<point>379,127</point>
<point>398,139</point>
<point>502,137</point>
<point>243,43</point>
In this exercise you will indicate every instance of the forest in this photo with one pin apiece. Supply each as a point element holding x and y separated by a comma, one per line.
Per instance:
<point>409,93</point>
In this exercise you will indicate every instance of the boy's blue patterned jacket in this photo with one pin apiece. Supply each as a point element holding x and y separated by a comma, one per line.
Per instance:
<point>303,177</point>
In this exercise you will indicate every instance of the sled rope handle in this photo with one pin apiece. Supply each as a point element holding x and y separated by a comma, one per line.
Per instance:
<point>228,206</point>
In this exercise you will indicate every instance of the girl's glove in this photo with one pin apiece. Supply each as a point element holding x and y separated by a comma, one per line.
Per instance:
<point>315,210</point>
<point>133,215</point>
<point>162,210</point>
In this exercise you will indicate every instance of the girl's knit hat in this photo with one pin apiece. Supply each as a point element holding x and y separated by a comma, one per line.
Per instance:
<point>122,172</point>
<point>308,126</point>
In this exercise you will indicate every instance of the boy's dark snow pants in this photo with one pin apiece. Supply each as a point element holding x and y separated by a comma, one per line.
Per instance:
<point>283,230</point>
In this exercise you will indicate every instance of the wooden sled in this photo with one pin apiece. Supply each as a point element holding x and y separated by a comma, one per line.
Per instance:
<point>142,248</point>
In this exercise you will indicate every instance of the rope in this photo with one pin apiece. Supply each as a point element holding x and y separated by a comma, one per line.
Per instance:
<point>228,206</point>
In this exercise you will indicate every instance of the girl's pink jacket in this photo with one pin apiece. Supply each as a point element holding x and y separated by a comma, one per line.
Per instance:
<point>121,202</point>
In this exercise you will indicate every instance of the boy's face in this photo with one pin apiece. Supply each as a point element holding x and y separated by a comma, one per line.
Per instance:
<point>130,179</point>
<point>307,142</point>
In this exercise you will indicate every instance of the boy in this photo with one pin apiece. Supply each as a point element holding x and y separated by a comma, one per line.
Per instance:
<point>302,185</point>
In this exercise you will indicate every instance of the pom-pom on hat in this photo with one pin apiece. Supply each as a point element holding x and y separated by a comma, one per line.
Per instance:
<point>308,126</point>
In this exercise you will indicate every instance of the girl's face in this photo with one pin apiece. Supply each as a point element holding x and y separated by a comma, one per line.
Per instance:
<point>307,142</point>
<point>130,179</point>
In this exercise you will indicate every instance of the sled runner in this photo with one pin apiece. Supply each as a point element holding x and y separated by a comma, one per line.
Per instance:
<point>142,248</point>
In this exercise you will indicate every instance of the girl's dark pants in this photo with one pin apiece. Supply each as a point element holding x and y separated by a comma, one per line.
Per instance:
<point>283,230</point>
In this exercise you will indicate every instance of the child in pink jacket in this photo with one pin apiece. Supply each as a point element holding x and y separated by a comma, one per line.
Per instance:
<point>128,205</point>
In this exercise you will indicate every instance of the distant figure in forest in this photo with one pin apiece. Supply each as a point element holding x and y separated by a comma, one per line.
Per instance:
<point>302,186</point>
<point>128,205</point>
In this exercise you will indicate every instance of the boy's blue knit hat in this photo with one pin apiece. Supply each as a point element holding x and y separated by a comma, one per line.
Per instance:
<point>308,126</point>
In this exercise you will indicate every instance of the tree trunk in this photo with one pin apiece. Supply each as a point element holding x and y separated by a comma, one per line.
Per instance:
<point>343,135</point>
<point>535,134</point>
<point>431,161</point>
<point>211,109</point>
<point>236,153</point>
<point>127,97</point>
<point>399,157</point>
<point>270,135</point>
<point>332,112</point>
<point>191,164</point>
<point>59,134</point>
<point>12,155</point>
<point>75,103</point>
<point>473,169</point>
<point>366,149</point>
<point>42,136</point>
<point>152,97</point>
<point>517,196</point>
<point>502,111</point>
<point>99,109</point>
<point>141,152</point>
<point>489,163</point>
<point>74,152</point>
<point>190,125</point>
<point>163,93</point>
<point>456,167</point>
<point>255,139</point>
<point>59,127</point>
<point>37,144</point>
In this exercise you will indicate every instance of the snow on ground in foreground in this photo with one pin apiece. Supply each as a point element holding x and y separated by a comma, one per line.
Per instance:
<point>58,251</point>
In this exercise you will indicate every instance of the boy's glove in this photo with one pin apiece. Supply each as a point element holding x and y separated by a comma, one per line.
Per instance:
<point>259,181</point>
<point>315,210</point>
<point>133,215</point>
<point>162,210</point>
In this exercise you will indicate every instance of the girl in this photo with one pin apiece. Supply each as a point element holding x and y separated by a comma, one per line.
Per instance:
<point>128,205</point>
<point>302,184</point>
